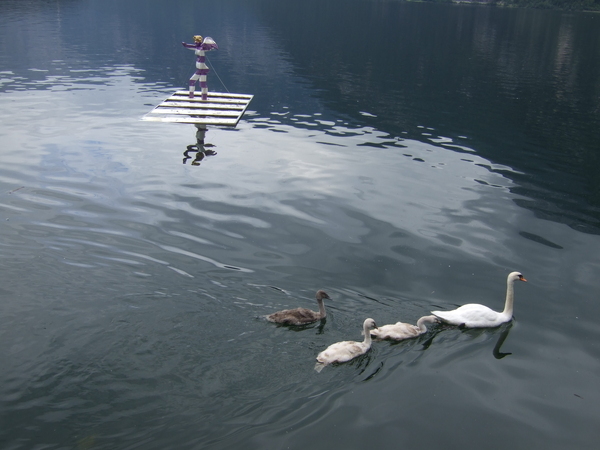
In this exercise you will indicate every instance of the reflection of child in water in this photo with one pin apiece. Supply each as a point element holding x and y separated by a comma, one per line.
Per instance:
<point>202,152</point>
<point>200,46</point>
<point>199,147</point>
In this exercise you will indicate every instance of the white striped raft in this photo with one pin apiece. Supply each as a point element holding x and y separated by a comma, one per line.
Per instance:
<point>219,109</point>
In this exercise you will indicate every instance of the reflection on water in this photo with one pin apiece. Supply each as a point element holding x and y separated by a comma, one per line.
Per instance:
<point>522,85</point>
<point>133,285</point>
<point>501,332</point>
<point>503,335</point>
<point>200,147</point>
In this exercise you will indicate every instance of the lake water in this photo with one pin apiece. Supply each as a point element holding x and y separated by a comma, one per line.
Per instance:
<point>403,157</point>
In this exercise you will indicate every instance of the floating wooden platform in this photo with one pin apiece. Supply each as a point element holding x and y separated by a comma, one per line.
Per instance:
<point>219,109</point>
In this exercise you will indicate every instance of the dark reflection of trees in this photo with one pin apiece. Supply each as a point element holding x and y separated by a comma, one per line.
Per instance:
<point>523,85</point>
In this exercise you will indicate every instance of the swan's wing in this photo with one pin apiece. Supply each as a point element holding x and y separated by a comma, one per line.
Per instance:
<point>379,332</point>
<point>407,328</point>
<point>397,331</point>
<point>305,315</point>
<point>471,314</point>
<point>341,352</point>
<point>293,316</point>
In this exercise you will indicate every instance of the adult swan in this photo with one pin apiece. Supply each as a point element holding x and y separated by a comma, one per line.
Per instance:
<point>474,315</point>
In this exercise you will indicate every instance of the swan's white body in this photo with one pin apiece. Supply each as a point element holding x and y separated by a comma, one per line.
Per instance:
<point>300,316</point>
<point>474,315</point>
<point>347,350</point>
<point>401,330</point>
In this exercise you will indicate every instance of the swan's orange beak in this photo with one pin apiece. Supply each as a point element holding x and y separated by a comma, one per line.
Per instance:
<point>522,278</point>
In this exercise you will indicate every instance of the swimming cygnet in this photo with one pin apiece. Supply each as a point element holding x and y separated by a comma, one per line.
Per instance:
<point>300,316</point>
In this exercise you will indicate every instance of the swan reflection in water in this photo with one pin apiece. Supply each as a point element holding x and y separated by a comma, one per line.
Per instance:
<point>501,331</point>
<point>501,338</point>
<point>200,147</point>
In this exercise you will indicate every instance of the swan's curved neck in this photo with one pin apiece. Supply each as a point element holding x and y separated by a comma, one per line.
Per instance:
<point>322,312</point>
<point>510,298</point>
<point>367,333</point>
<point>422,321</point>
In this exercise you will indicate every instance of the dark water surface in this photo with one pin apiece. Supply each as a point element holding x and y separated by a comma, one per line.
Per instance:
<point>403,157</point>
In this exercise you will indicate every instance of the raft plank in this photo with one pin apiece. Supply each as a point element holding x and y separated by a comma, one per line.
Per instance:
<point>178,104</point>
<point>194,112</point>
<point>217,94</point>
<point>189,119</point>
<point>219,109</point>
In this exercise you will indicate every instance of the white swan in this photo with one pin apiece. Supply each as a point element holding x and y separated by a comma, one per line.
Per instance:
<point>346,350</point>
<point>400,330</point>
<point>300,316</point>
<point>474,315</point>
